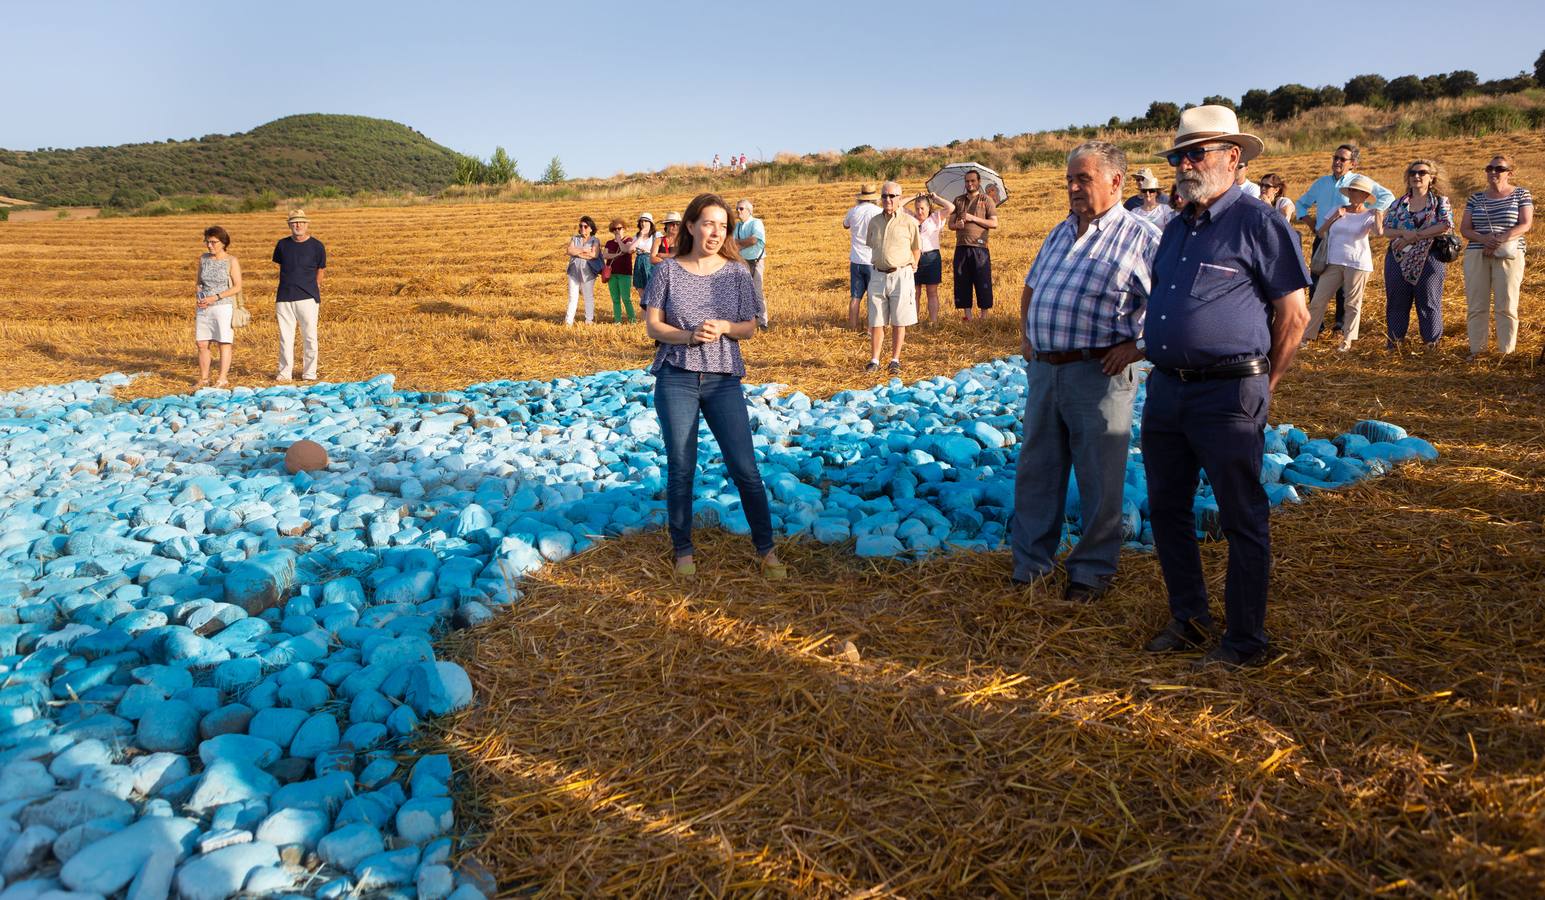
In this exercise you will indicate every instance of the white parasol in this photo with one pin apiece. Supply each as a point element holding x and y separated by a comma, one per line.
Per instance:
<point>950,181</point>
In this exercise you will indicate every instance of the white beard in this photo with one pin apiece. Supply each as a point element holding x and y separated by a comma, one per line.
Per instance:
<point>1198,185</point>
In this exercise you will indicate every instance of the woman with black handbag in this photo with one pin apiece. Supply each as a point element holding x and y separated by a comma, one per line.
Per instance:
<point>1419,227</point>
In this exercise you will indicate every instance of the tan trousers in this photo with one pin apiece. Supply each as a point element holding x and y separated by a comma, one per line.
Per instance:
<point>1334,278</point>
<point>288,313</point>
<point>1487,277</point>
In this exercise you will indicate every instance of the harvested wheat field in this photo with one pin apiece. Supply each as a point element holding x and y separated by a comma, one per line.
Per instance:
<point>879,729</point>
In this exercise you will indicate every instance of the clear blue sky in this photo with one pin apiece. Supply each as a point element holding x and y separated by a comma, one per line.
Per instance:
<point>655,84</point>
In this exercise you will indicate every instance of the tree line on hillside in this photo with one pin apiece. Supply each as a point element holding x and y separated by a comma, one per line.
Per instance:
<point>499,170</point>
<point>1289,100</point>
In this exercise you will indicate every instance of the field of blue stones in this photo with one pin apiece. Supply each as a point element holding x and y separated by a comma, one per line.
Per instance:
<point>453,662</point>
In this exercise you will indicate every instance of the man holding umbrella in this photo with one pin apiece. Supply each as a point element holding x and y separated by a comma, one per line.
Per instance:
<point>975,215</point>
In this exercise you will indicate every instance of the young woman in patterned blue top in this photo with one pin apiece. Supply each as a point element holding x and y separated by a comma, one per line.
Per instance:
<point>698,307</point>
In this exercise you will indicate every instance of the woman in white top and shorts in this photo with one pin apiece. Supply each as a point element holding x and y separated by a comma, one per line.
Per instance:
<point>219,281</point>
<point>1348,260</point>
<point>927,208</point>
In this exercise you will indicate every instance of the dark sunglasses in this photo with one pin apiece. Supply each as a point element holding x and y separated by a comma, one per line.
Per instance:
<point>1418,172</point>
<point>1490,169</point>
<point>1150,190</point>
<point>1195,154</point>
<point>1341,159</point>
<point>889,196</point>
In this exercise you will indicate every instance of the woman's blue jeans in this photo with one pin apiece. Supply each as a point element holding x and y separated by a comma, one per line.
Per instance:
<point>679,396</point>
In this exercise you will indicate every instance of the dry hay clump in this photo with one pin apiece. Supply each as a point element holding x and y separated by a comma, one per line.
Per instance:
<point>638,736</point>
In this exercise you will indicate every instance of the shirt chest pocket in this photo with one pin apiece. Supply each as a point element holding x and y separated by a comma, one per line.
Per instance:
<point>1213,281</point>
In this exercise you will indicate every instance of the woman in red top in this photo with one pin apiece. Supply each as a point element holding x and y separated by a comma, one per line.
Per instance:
<point>618,253</point>
<point>665,247</point>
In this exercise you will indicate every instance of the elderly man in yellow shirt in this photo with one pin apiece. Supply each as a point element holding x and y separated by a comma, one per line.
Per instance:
<point>895,246</point>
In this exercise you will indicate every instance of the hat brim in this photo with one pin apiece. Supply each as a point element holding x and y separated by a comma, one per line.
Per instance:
<point>873,196</point>
<point>1249,145</point>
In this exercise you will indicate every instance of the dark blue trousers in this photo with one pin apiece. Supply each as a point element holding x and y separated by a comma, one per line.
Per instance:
<point>679,398</point>
<point>1216,427</point>
<point>1426,295</point>
<point>972,269</point>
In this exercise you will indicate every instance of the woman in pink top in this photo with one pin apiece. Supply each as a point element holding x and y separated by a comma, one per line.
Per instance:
<point>927,208</point>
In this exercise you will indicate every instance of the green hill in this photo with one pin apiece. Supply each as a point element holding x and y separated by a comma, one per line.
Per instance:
<point>293,156</point>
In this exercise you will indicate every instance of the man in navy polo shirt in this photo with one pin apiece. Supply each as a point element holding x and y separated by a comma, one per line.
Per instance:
<point>1224,320</point>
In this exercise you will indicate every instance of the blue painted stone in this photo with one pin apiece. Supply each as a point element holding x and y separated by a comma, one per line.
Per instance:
<point>277,724</point>
<point>230,781</point>
<point>422,818</point>
<point>344,848</point>
<point>303,827</point>
<point>167,726</point>
<point>230,719</point>
<point>325,794</point>
<point>243,748</point>
<point>261,582</point>
<point>437,688</point>
<point>386,869</point>
<point>218,875</point>
<point>111,863</point>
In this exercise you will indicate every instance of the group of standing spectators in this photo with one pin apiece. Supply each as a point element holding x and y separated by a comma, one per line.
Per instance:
<point>894,248</point>
<point>626,262</point>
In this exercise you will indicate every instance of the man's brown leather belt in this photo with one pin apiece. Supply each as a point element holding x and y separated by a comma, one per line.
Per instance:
<point>1071,356</point>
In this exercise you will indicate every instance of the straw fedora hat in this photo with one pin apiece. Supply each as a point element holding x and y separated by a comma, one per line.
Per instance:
<point>298,215</point>
<point>867,191</point>
<point>1146,181</point>
<point>672,217</point>
<point>644,216</point>
<point>1210,124</point>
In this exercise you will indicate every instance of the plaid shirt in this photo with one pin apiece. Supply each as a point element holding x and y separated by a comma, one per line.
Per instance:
<point>1091,291</point>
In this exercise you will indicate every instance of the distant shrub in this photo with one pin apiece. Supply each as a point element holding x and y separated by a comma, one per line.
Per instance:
<point>131,198</point>
<point>5,213</point>
<point>554,173</point>
<point>861,148</point>
<point>262,201</point>
<point>1492,119</point>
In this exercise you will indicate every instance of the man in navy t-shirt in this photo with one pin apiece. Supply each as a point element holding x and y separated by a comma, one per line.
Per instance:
<point>302,263</point>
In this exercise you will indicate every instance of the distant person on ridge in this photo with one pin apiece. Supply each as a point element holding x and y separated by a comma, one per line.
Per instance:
<point>751,241</point>
<point>857,224</point>
<point>1324,197</point>
<point>219,281</point>
<point>895,248</point>
<point>302,265</point>
<point>974,216</point>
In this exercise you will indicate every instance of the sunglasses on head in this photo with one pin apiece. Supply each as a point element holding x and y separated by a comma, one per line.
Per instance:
<point>1195,154</point>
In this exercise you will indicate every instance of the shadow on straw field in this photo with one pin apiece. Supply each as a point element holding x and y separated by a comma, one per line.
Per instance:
<point>650,738</point>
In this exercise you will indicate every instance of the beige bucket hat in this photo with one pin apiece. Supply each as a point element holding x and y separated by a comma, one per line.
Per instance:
<point>298,215</point>
<point>867,191</point>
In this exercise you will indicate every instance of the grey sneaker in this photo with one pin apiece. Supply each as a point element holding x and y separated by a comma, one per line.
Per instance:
<point>894,368</point>
<point>871,366</point>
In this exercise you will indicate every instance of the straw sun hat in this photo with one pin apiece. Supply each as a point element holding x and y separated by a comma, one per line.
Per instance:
<point>298,215</point>
<point>868,191</point>
<point>1211,124</point>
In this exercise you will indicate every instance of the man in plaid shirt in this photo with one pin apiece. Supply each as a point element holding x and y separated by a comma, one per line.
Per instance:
<point>1082,309</point>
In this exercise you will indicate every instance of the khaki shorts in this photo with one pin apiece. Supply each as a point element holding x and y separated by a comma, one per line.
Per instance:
<point>892,298</point>
<point>213,323</point>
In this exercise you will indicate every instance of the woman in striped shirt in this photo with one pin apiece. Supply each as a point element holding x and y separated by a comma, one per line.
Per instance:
<point>1495,221</point>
